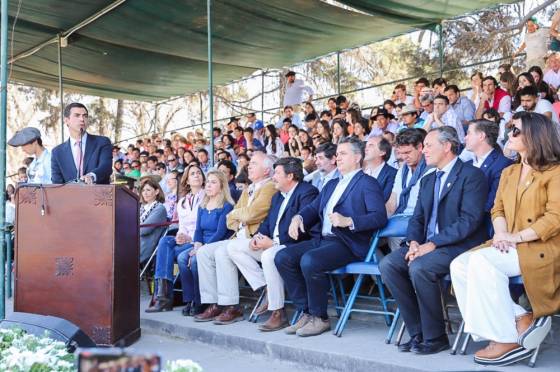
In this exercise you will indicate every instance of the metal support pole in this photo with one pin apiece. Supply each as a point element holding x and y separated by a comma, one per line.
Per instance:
<point>60,88</point>
<point>201,112</point>
<point>262,97</point>
<point>8,237</point>
<point>440,47</point>
<point>3,123</point>
<point>338,73</point>
<point>210,81</point>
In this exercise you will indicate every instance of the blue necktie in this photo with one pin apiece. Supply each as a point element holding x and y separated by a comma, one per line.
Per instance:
<point>433,217</point>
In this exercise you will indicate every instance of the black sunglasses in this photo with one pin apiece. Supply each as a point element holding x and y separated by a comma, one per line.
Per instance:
<point>515,131</point>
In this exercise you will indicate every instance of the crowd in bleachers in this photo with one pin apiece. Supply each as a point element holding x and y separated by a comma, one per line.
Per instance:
<point>284,203</point>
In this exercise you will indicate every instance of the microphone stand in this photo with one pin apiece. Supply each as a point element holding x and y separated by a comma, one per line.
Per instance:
<point>79,171</point>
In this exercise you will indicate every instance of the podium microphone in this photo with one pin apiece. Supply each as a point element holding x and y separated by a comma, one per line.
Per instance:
<point>79,171</point>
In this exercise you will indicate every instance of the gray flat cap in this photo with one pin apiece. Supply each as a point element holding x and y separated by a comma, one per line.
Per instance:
<point>24,136</point>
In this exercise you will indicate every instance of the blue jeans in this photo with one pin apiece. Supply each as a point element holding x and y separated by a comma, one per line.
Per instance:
<point>167,254</point>
<point>189,277</point>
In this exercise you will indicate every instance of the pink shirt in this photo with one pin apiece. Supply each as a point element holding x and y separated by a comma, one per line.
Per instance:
<point>187,211</point>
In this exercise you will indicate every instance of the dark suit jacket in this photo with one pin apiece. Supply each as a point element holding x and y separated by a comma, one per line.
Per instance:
<point>386,180</point>
<point>492,168</point>
<point>303,195</point>
<point>362,201</point>
<point>97,159</point>
<point>460,210</point>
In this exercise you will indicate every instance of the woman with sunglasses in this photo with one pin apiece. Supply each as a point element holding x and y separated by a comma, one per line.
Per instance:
<point>526,242</point>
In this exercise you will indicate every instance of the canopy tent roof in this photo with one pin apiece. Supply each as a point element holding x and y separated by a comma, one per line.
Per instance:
<point>152,50</point>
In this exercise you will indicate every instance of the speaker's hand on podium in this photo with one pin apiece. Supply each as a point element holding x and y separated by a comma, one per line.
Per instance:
<point>88,179</point>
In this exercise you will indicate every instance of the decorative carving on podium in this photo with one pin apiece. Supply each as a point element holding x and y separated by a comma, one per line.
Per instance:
<point>28,195</point>
<point>103,197</point>
<point>64,266</point>
<point>101,335</point>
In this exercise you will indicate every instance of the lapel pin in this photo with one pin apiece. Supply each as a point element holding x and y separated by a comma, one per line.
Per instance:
<point>449,184</point>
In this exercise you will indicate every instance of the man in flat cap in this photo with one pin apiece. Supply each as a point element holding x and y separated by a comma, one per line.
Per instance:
<point>29,139</point>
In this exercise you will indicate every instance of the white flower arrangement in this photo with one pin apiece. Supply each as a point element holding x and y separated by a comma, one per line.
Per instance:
<point>23,352</point>
<point>182,365</point>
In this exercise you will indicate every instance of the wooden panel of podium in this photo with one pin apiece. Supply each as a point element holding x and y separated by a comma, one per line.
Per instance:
<point>77,250</point>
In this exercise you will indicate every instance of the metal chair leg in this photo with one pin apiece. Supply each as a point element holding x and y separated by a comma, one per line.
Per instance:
<point>533,359</point>
<point>148,263</point>
<point>400,334</point>
<point>348,308</point>
<point>463,350</point>
<point>393,326</point>
<point>295,317</point>
<point>253,317</point>
<point>383,299</point>
<point>458,338</point>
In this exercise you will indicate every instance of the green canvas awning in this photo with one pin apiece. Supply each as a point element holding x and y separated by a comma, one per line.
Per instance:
<point>151,50</point>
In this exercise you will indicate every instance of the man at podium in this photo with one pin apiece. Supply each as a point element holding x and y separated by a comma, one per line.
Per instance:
<point>84,157</point>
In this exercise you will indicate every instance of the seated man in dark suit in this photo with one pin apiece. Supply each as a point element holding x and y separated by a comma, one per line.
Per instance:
<point>448,220</point>
<point>84,156</point>
<point>348,210</point>
<point>271,237</point>
<point>481,140</point>
<point>378,152</point>
<point>229,169</point>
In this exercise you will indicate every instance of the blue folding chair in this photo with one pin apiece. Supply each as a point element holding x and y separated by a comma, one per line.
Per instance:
<point>396,227</point>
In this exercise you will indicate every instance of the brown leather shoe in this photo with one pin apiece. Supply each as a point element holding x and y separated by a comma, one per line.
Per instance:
<point>277,321</point>
<point>263,308</point>
<point>523,322</point>
<point>230,315</point>
<point>211,312</point>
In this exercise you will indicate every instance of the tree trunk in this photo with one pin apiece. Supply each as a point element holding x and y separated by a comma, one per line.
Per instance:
<point>119,120</point>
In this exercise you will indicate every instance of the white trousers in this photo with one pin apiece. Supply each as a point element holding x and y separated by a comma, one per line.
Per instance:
<point>247,261</point>
<point>481,284</point>
<point>217,274</point>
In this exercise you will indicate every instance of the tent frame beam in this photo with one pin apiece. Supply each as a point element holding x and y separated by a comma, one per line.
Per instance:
<point>64,35</point>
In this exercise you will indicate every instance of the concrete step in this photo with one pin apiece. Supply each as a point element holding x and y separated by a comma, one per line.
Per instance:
<point>361,347</point>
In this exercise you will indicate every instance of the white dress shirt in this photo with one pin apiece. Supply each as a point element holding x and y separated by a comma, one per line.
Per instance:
<point>287,196</point>
<point>333,200</point>
<point>294,92</point>
<point>477,162</point>
<point>75,151</point>
<point>374,172</point>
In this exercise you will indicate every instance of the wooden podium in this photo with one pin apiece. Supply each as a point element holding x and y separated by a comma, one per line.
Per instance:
<point>79,259</point>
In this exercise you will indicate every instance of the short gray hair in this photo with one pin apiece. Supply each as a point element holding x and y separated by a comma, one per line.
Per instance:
<point>447,134</point>
<point>357,145</point>
<point>427,98</point>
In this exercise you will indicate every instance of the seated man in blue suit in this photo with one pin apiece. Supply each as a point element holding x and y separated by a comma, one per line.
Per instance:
<point>481,139</point>
<point>447,221</point>
<point>84,156</point>
<point>348,210</point>
<point>272,237</point>
<point>378,152</point>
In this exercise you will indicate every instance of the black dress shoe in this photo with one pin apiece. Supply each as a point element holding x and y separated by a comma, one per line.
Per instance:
<point>433,346</point>
<point>187,309</point>
<point>411,345</point>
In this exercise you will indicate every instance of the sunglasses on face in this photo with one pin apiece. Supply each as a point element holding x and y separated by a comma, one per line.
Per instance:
<point>515,131</point>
